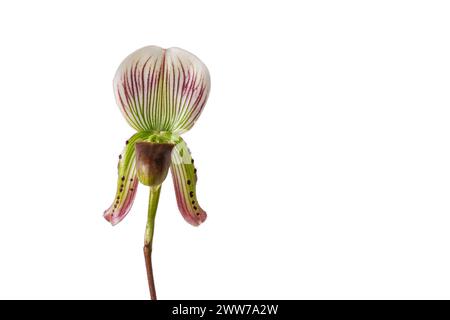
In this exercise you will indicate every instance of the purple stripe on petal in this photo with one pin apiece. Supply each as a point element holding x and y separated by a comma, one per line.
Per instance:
<point>161,90</point>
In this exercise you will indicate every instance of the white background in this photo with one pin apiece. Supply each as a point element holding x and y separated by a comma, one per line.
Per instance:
<point>323,152</point>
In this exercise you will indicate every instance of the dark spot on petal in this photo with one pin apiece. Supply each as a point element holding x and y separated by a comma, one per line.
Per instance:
<point>195,170</point>
<point>191,194</point>
<point>115,206</point>
<point>121,186</point>
<point>193,201</point>
<point>120,156</point>
<point>123,178</point>
<point>118,197</point>
<point>192,161</point>
<point>198,213</point>
<point>189,182</point>
<point>131,179</point>
<point>126,142</point>
<point>195,208</point>
<point>131,189</point>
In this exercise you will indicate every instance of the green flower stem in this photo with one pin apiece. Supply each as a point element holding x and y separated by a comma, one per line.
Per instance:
<point>152,206</point>
<point>149,230</point>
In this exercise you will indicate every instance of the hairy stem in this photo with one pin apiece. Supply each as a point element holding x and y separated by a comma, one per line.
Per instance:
<point>149,230</point>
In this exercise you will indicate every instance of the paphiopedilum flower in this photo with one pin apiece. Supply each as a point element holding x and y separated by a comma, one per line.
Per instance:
<point>161,93</point>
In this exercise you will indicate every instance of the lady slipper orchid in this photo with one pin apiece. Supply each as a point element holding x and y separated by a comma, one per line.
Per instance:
<point>161,93</point>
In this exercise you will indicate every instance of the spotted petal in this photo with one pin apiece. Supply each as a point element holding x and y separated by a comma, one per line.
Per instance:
<point>161,89</point>
<point>127,182</point>
<point>184,177</point>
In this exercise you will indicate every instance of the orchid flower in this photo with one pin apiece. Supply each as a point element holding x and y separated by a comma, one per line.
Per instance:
<point>161,93</point>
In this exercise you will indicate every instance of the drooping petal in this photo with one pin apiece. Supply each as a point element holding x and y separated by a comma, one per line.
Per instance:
<point>127,181</point>
<point>184,177</point>
<point>161,89</point>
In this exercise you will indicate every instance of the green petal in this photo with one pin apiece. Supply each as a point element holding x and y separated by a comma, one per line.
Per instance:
<point>127,181</point>
<point>184,177</point>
